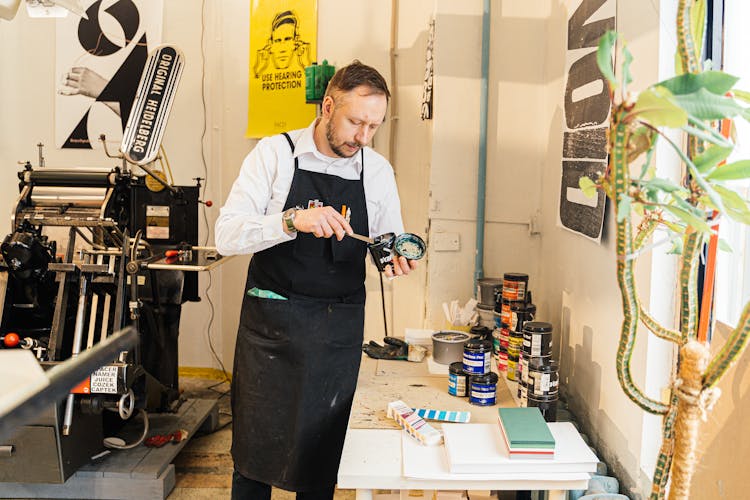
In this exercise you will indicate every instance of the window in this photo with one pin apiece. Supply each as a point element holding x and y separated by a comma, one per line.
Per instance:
<point>733,269</point>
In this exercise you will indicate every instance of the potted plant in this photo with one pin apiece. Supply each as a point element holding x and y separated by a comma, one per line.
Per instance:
<point>692,102</point>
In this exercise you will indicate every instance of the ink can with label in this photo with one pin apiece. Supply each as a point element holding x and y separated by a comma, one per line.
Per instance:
<point>481,332</point>
<point>515,286</point>
<point>510,373</point>
<point>458,380</point>
<point>543,378</point>
<point>520,314</point>
<point>537,338</point>
<point>506,310</point>
<point>522,395</point>
<point>502,361</point>
<point>478,357</point>
<point>483,389</point>
<point>496,341</point>
<point>523,367</point>
<point>546,404</point>
<point>497,317</point>
<point>515,342</point>
<point>488,290</point>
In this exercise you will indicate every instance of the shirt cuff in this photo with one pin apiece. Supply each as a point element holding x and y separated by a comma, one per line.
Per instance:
<point>273,229</point>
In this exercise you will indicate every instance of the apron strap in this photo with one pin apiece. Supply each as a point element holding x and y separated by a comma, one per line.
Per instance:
<point>291,145</point>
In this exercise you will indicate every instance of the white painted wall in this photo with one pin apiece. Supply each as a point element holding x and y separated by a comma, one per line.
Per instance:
<point>573,279</point>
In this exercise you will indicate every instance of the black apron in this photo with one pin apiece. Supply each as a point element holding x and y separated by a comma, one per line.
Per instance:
<point>296,361</point>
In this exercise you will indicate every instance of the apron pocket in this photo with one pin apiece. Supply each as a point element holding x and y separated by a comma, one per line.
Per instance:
<point>265,320</point>
<point>346,323</point>
<point>309,244</point>
<point>348,250</point>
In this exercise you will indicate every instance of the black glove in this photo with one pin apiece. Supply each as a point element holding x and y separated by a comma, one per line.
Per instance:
<point>394,348</point>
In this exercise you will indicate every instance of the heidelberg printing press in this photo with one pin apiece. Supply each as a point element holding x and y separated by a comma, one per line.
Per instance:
<point>85,258</point>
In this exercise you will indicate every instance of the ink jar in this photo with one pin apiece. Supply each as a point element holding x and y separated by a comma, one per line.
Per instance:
<point>478,357</point>
<point>515,286</point>
<point>542,378</point>
<point>458,380</point>
<point>537,338</point>
<point>483,389</point>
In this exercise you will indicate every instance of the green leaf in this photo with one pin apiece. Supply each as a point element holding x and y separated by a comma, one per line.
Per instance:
<point>742,218</point>
<point>731,171</point>
<point>732,200</point>
<point>684,205</point>
<point>707,136</point>
<point>647,168</point>
<point>604,56</point>
<point>716,82</point>
<point>710,158</point>
<point>675,228</point>
<point>655,106</point>
<point>661,184</point>
<point>724,246</point>
<point>689,219</point>
<point>623,207</point>
<point>627,77</point>
<point>587,186</point>
<point>705,105</point>
<point>742,95</point>
<point>677,247</point>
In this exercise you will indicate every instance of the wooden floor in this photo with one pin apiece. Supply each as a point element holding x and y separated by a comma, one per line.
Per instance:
<point>204,466</point>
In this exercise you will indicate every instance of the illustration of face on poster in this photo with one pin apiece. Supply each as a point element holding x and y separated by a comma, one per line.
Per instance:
<point>284,48</point>
<point>99,64</point>
<point>283,36</point>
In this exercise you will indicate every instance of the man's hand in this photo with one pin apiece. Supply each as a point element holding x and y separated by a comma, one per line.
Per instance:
<point>400,266</point>
<point>323,222</point>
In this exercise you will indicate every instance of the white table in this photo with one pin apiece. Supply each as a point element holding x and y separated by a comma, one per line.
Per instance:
<point>372,455</point>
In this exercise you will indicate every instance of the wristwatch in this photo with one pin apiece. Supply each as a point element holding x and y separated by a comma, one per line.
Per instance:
<point>288,218</point>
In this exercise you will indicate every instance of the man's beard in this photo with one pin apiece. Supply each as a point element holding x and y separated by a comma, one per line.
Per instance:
<point>337,148</point>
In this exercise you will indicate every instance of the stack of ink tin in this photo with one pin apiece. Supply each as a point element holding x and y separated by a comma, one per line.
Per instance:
<point>539,379</point>
<point>512,309</point>
<point>477,364</point>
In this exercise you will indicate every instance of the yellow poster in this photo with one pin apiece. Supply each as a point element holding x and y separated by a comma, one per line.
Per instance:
<point>283,40</point>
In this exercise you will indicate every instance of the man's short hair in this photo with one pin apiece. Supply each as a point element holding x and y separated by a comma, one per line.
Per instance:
<point>357,74</point>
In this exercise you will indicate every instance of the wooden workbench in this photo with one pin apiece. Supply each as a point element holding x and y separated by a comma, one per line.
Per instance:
<point>372,456</point>
<point>382,381</point>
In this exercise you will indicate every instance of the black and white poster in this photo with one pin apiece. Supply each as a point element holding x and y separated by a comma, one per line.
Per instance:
<point>586,108</point>
<point>99,62</point>
<point>429,73</point>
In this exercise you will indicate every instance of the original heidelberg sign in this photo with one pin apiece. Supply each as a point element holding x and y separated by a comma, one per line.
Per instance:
<point>148,117</point>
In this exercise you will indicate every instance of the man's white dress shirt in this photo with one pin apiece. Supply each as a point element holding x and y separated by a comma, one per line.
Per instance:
<point>250,220</point>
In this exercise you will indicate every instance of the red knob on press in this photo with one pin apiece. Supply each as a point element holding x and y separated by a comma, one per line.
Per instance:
<point>171,253</point>
<point>208,203</point>
<point>11,340</point>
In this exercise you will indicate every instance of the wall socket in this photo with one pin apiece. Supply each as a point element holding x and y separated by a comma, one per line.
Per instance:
<point>446,242</point>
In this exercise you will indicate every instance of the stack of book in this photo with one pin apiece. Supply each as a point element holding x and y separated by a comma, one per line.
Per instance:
<point>525,433</point>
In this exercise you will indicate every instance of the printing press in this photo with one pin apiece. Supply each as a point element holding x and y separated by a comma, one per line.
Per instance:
<point>76,268</point>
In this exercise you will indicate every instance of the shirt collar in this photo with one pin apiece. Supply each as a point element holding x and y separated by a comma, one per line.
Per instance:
<point>306,145</point>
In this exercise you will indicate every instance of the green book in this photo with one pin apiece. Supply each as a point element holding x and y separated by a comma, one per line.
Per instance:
<point>525,428</point>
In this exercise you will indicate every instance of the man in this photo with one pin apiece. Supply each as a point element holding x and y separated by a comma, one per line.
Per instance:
<point>302,320</point>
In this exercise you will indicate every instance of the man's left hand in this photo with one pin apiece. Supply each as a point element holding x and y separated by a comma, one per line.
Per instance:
<point>401,266</point>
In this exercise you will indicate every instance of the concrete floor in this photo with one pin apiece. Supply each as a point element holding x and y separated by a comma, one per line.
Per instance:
<point>204,466</point>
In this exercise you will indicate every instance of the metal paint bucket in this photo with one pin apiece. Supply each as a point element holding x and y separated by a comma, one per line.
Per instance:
<point>448,346</point>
